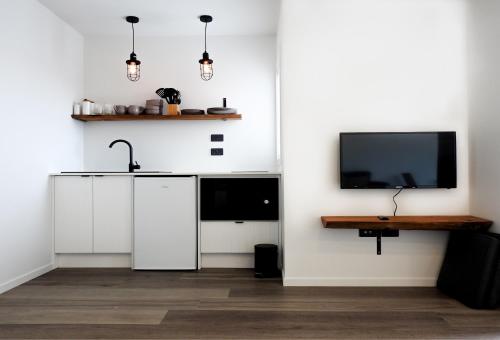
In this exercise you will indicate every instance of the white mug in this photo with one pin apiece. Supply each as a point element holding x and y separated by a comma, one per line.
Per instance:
<point>107,109</point>
<point>97,109</point>
<point>77,110</point>
<point>86,108</point>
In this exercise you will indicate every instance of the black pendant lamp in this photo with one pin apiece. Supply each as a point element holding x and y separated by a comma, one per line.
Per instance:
<point>133,64</point>
<point>206,68</point>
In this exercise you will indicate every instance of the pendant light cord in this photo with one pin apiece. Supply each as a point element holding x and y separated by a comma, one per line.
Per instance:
<point>206,24</point>
<point>133,38</point>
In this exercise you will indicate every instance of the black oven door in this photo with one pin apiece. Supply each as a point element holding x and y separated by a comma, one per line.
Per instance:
<point>239,199</point>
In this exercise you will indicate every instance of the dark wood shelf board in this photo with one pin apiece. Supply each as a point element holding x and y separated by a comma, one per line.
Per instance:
<point>463,222</point>
<point>107,118</point>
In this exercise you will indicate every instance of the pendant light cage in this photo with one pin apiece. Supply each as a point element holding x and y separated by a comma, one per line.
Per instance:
<point>133,72</point>
<point>206,71</point>
<point>133,68</point>
<point>206,68</point>
<point>206,64</point>
<point>133,64</point>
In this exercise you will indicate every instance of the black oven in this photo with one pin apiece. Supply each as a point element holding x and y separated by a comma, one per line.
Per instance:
<point>239,199</point>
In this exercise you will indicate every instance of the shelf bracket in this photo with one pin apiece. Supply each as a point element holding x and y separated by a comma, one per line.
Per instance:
<point>378,234</point>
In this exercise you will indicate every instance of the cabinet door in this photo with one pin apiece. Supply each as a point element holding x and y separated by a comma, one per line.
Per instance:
<point>113,214</point>
<point>73,214</point>
<point>165,223</point>
<point>239,199</point>
<point>230,237</point>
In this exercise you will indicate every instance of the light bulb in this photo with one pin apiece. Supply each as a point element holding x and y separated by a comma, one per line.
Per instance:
<point>133,72</point>
<point>206,71</point>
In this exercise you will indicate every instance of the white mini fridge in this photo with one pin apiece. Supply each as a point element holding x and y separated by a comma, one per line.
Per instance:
<point>165,223</point>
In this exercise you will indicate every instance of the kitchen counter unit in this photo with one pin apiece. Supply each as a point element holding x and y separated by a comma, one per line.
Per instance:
<point>99,217</point>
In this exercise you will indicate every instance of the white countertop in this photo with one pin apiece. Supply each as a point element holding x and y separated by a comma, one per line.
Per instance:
<point>164,173</point>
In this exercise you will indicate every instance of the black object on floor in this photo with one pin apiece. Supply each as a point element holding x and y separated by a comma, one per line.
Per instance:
<point>266,260</point>
<point>471,269</point>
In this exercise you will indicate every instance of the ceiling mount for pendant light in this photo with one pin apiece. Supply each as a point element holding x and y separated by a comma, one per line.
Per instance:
<point>206,68</point>
<point>133,64</point>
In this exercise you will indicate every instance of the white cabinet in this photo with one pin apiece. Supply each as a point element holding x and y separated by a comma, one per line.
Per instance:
<point>73,214</point>
<point>112,214</point>
<point>93,214</point>
<point>233,237</point>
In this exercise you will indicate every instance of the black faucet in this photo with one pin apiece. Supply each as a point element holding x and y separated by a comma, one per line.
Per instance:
<point>131,165</point>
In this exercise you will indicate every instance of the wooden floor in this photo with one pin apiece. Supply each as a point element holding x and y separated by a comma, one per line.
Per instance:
<point>227,303</point>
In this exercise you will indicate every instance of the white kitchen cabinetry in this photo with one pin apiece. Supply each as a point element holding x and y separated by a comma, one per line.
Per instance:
<point>93,214</point>
<point>233,237</point>
<point>112,214</point>
<point>73,214</point>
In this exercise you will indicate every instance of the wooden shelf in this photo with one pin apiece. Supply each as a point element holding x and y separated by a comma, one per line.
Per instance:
<point>407,223</point>
<point>107,118</point>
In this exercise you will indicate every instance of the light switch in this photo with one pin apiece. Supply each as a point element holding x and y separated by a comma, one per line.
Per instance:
<point>217,138</point>
<point>217,151</point>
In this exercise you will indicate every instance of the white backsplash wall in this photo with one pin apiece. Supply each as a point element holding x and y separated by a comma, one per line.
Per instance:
<point>244,73</point>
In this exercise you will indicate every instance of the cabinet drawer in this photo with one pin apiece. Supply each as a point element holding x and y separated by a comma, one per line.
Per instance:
<point>232,237</point>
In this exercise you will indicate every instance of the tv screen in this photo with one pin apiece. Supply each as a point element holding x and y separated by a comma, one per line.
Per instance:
<point>390,160</point>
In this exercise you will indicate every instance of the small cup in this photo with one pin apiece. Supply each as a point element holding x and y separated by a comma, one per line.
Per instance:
<point>97,109</point>
<point>135,109</point>
<point>107,109</point>
<point>120,109</point>
<point>77,109</point>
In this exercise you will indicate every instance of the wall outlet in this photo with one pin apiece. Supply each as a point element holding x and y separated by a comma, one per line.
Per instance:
<point>217,151</point>
<point>216,138</point>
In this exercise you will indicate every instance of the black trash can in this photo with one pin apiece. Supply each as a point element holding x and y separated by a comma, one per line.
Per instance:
<point>266,261</point>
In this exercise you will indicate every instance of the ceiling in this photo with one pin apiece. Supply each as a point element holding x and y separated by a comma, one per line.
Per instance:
<point>168,17</point>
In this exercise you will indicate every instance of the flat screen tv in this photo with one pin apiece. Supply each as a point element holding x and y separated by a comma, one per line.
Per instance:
<point>392,160</point>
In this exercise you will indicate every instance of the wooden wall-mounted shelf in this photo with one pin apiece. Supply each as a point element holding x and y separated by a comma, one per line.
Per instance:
<point>372,226</point>
<point>107,118</point>
<point>465,222</point>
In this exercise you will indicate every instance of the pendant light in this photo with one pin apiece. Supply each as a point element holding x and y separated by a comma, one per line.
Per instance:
<point>206,68</point>
<point>133,64</point>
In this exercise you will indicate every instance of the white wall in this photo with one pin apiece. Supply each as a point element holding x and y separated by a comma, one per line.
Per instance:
<point>361,65</point>
<point>244,73</point>
<point>484,119</point>
<point>42,64</point>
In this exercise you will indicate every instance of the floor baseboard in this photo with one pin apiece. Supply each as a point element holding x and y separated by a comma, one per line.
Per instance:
<point>25,277</point>
<point>361,281</point>
<point>93,261</point>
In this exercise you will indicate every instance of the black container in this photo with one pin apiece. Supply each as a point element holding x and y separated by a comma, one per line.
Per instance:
<point>471,269</point>
<point>266,260</point>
